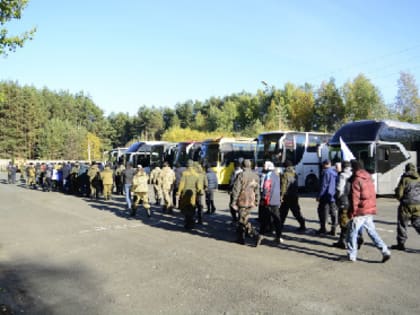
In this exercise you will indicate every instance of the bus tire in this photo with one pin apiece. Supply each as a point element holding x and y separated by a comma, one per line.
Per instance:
<point>311,183</point>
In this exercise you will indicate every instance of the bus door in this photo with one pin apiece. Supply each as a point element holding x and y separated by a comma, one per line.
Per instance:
<point>390,165</point>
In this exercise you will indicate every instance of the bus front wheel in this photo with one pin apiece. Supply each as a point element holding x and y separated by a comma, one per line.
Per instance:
<point>311,183</point>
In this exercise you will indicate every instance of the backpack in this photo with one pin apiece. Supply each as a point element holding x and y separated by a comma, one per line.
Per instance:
<point>97,179</point>
<point>246,197</point>
<point>412,193</point>
<point>266,192</point>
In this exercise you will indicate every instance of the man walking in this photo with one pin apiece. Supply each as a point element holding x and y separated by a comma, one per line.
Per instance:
<point>289,197</point>
<point>362,210</point>
<point>326,199</point>
<point>270,203</point>
<point>128,175</point>
<point>140,190</point>
<point>245,197</point>
<point>167,180</point>
<point>408,193</point>
<point>189,187</point>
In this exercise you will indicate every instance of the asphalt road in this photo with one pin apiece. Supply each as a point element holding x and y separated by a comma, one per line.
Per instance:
<point>62,254</point>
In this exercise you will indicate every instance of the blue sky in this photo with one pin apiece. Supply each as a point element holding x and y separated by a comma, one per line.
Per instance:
<point>128,53</point>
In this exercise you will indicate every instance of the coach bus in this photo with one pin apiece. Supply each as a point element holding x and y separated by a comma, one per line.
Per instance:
<point>305,150</point>
<point>221,153</point>
<point>187,150</point>
<point>384,147</point>
<point>150,154</point>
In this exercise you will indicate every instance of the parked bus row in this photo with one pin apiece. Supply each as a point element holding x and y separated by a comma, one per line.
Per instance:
<point>384,146</point>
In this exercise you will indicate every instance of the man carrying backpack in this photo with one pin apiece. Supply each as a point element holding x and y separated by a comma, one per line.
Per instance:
<point>270,203</point>
<point>408,193</point>
<point>245,197</point>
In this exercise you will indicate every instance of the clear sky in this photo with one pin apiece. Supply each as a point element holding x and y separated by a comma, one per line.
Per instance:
<point>129,53</point>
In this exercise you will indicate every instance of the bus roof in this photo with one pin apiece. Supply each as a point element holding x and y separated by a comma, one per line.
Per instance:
<point>227,140</point>
<point>375,130</point>
<point>291,131</point>
<point>144,145</point>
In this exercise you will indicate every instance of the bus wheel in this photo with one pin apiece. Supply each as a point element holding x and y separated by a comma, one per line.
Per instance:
<point>311,183</point>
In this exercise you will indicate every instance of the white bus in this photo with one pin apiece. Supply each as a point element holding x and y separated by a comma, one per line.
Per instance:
<point>384,147</point>
<point>305,150</point>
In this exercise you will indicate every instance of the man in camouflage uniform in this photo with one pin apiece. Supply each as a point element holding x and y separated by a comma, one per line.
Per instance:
<point>189,186</point>
<point>140,190</point>
<point>93,171</point>
<point>31,180</point>
<point>408,193</point>
<point>202,178</point>
<point>155,181</point>
<point>245,197</point>
<point>107,181</point>
<point>289,197</point>
<point>167,180</point>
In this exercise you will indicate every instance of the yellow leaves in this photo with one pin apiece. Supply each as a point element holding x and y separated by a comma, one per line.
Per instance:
<point>178,134</point>
<point>92,147</point>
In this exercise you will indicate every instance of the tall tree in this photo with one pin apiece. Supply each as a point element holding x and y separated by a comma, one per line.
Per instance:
<point>329,108</point>
<point>363,100</point>
<point>9,10</point>
<point>301,109</point>
<point>407,102</point>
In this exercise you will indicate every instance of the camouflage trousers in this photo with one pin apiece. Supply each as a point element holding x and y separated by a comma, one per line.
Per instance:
<point>107,191</point>
<point>167,198</point>
<point>140,196</point>
<point>244,226</point>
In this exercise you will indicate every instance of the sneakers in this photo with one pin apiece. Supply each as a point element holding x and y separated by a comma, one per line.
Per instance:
<point>259,240</point>
<point>399,246</point>
<point>278,240</point>
<point>386,257</point>
<point>321,232</point>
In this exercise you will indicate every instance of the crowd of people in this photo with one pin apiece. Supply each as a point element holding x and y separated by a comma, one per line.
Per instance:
<point>346,196</point>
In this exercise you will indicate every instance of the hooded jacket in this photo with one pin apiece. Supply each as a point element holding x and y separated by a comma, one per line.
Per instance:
<point>363,195</point>
<point>407,190</point>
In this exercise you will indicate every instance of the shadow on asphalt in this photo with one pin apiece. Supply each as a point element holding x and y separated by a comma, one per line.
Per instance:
<point>45,289</point>
<point>217,226</point>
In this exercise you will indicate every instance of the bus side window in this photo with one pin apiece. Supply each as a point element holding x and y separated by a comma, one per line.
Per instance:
<point>388,157</point>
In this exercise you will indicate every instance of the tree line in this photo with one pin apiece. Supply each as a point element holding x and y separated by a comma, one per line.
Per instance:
<point>60,125</point>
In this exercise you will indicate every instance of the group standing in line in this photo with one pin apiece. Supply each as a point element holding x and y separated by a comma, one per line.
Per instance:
<point>347,196</point>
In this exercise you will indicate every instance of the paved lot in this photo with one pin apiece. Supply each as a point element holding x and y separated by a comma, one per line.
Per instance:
<point>62,254</point>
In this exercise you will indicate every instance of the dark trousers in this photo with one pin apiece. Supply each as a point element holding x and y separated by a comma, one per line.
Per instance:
<point>405,214</point>
<point>199,208</point>
<point>326,208</point>
<point>211,208</point>
<point>270,214</point>
<point>291,203</point>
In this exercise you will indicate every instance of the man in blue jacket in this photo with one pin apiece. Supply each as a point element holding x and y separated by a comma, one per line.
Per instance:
<point>270,203</point>
<point>326,205</point>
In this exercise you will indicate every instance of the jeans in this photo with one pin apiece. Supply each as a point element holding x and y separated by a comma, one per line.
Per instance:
<point>355,225</point>
<point>127,190</point>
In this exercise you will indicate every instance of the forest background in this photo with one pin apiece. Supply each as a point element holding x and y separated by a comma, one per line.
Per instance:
<point>46,124</point>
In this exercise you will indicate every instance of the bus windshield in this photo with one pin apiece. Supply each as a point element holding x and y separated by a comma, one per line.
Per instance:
<point>268,148</point>
<point>210,154</point>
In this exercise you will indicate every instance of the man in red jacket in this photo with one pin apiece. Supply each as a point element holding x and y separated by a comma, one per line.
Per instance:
<point>362,210</point>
